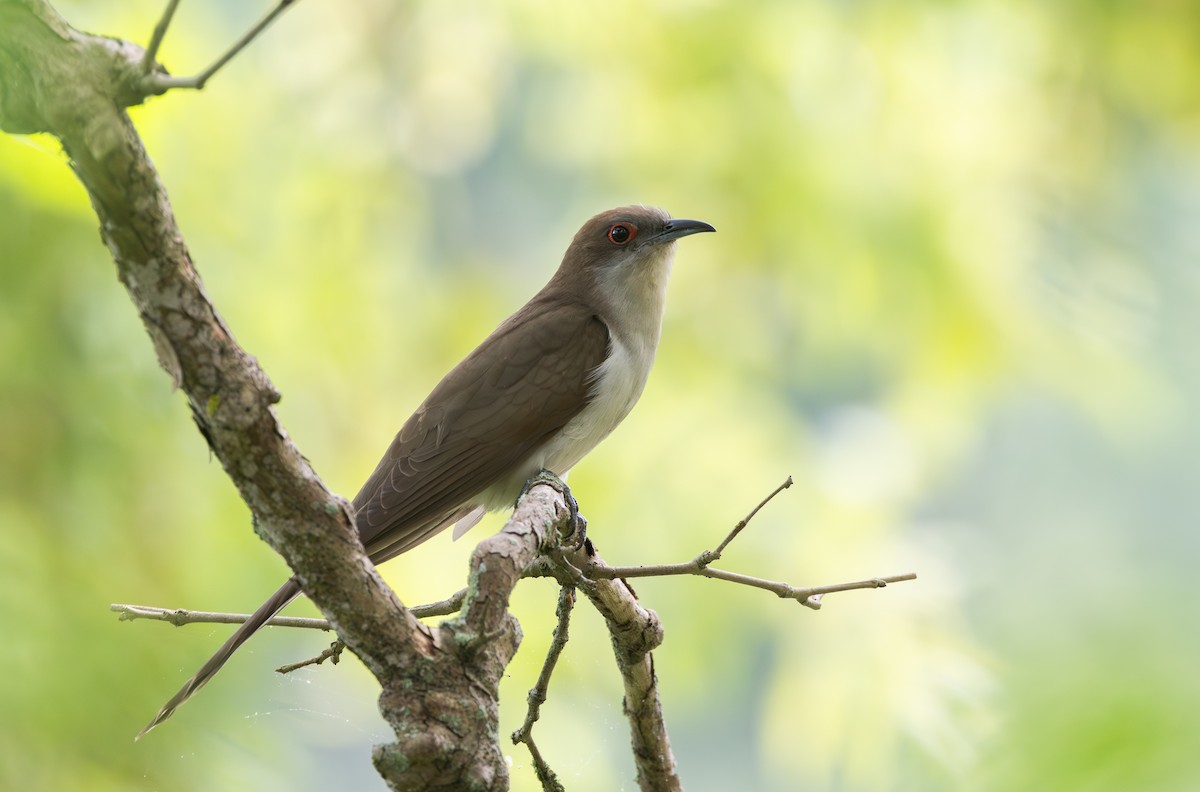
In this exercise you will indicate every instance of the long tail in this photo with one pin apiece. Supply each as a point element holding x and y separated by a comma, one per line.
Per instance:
<point>287,592</point>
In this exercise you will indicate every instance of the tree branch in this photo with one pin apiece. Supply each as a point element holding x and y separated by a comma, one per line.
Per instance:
<point>451,703</point>
<point>809,596</point>
<point>439,685</point>
<point>158,81</point>
<point>635,632</point>
<point>156,38</point>
<point>75,86</point>
<point>537,696</point>
<point>593,568</point>
<point>230,397</point>
<point>713,555</point>
<point>181,616</point>
<point>333,654</point>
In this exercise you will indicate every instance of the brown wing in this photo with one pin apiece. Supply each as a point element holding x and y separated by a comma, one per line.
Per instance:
<point>520,386</point>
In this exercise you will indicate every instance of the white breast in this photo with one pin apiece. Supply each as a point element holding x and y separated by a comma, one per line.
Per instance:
<point>619,383</point>
<point>640,292</point>
<point>636,295</point>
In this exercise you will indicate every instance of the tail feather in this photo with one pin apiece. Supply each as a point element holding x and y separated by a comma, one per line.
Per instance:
<point>286,593</point>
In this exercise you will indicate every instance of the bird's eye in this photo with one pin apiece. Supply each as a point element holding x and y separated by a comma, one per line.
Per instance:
<point>622,233</point>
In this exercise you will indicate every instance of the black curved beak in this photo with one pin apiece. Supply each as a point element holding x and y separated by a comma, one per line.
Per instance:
<point>678,228</point>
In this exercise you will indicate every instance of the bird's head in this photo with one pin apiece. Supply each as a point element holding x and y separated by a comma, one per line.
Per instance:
<point>626,253</point>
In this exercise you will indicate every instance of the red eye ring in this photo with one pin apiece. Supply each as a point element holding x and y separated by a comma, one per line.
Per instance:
<point>621,233</point>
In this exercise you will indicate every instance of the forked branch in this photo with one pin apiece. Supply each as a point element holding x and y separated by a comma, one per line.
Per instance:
<point>537,696</point>
<point>593,568</point>
<point>155,80</point>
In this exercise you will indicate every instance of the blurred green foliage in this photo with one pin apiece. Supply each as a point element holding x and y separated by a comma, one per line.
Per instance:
<point>954,293</point>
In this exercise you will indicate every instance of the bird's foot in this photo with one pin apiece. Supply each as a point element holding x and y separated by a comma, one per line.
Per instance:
<point>575,532</point>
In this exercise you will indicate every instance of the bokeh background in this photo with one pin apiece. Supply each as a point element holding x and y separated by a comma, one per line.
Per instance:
<point>954,293</point>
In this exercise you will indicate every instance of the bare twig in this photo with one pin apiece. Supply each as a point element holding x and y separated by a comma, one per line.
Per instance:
<point>452,604</point>
<point>636,632</point>
<point>784,590</point>
<point>809,596</point>
<point>180,616</point>
<point>333,654</point>
<point>156,38</point>
<point>156,82</point>
<point>537,696</point>
<point>713,555</point>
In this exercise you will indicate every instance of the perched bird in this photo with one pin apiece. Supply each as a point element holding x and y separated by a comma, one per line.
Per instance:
<point>552,381</point>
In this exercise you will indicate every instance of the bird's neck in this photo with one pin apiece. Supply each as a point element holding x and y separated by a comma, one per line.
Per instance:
<point>632,300</point>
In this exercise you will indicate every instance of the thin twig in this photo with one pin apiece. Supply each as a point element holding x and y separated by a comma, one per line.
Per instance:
<point>784,590</point>
<point>161,83</point>
<point>452,604</point>
<point>737,529</point>
<point>333,654</point>
<point>808,596</point>
<point>537,695</point>
<point>180,616</point>
<point>636,632</point>
<point>156,38</point>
